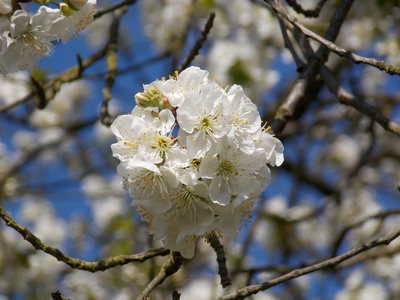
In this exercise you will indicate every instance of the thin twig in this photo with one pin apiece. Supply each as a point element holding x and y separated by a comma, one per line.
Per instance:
<point>176,295</point>
<point>289,45</point>
<point>345,97</point>
<point>57,296</point>
<point>34,152</point>
<point>74,263</point>
<point>196,48</point>
<point>345,230</point>
<point>310,13</point>
<point>115,7</point>
<point>112,61</point>
<point>329,263</point>
<point>295,99</point>
<point>370,255</point>
<point>328,43</point>
<point>9,106</point>
<point>170,267</point>
<point>40,93</point>
<point>348,99</point>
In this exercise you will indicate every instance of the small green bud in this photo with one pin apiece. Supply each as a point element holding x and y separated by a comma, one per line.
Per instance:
<point>75,4</point>
<point>152,97</point>
<point>66,10</point>
<point>42,2</point>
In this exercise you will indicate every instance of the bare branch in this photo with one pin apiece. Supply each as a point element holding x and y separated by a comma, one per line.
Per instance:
<point>9,106</point>
<point>329,263</point>
<point>112,61</point>
<point>115,7</point>
<point>74,263</point>
<point>196,48</point>
<point>170,267</point>
<point>295,99</point>
<point>346,230</point>
<point>350,100</point>
<point>328,43</point>
<point>310,13</point>
<point>221,259</point>
<point>34,152</point>
<point>57,296</point>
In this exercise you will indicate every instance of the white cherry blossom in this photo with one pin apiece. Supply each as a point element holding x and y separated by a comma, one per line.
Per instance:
<point>202,119</point>
<point>273,148</point>
<point>28,39</point>
<point>147,182</point>
<point>176,88</point>
<point>208,179</point>
<point>233,172</point>
<point>244,119</point>
<point>71,22</point>
<point>127,129</point>
<point>236,213</point>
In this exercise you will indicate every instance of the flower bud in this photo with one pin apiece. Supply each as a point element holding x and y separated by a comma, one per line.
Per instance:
<point>152,97</point>
<point>5,7</point>
<point>66,10</point>
<point>40,2</point>
<point>76,4</point>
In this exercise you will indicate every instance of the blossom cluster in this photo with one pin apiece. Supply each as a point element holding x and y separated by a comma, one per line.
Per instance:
<point>194,158</point>
<point>26,38</point>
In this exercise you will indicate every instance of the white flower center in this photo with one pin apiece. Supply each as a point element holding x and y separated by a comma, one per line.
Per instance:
<point>206,124</point>
<point>149,181</point>
<point>162,144</point>
<point>226,169</point>
<point>31,38</point>
<point>185,203</point>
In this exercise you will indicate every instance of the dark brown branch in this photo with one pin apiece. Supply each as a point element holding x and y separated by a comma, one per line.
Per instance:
<point>74,263</point>
<point>196,48</point>
<point>328,43</point>
<point>350,100</point>
<point>57,296</point>
<point>222,270</point>
<point>176,295</point>
<point>115,7</point>
<point>345,97</point>
<point>40,93</point>
<point>310,13</point>
<point>329,263</point>
<point>295,99</point>
<point>170,267</point>
<point>289,45</point>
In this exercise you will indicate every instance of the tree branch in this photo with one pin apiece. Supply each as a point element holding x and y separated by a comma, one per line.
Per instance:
<point>115,7</point>
<point>74,263</point>
<point>221,259</point>
<point>57,296</point>
<point>350,100</point>
<point>328,43</point>
<point>196,48</point>
<point>170,267</point>
<point>112,61</point>
<point>329,263</point>
<point>345,230</point>
<point>310,13</point>
<point>295,99</point>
